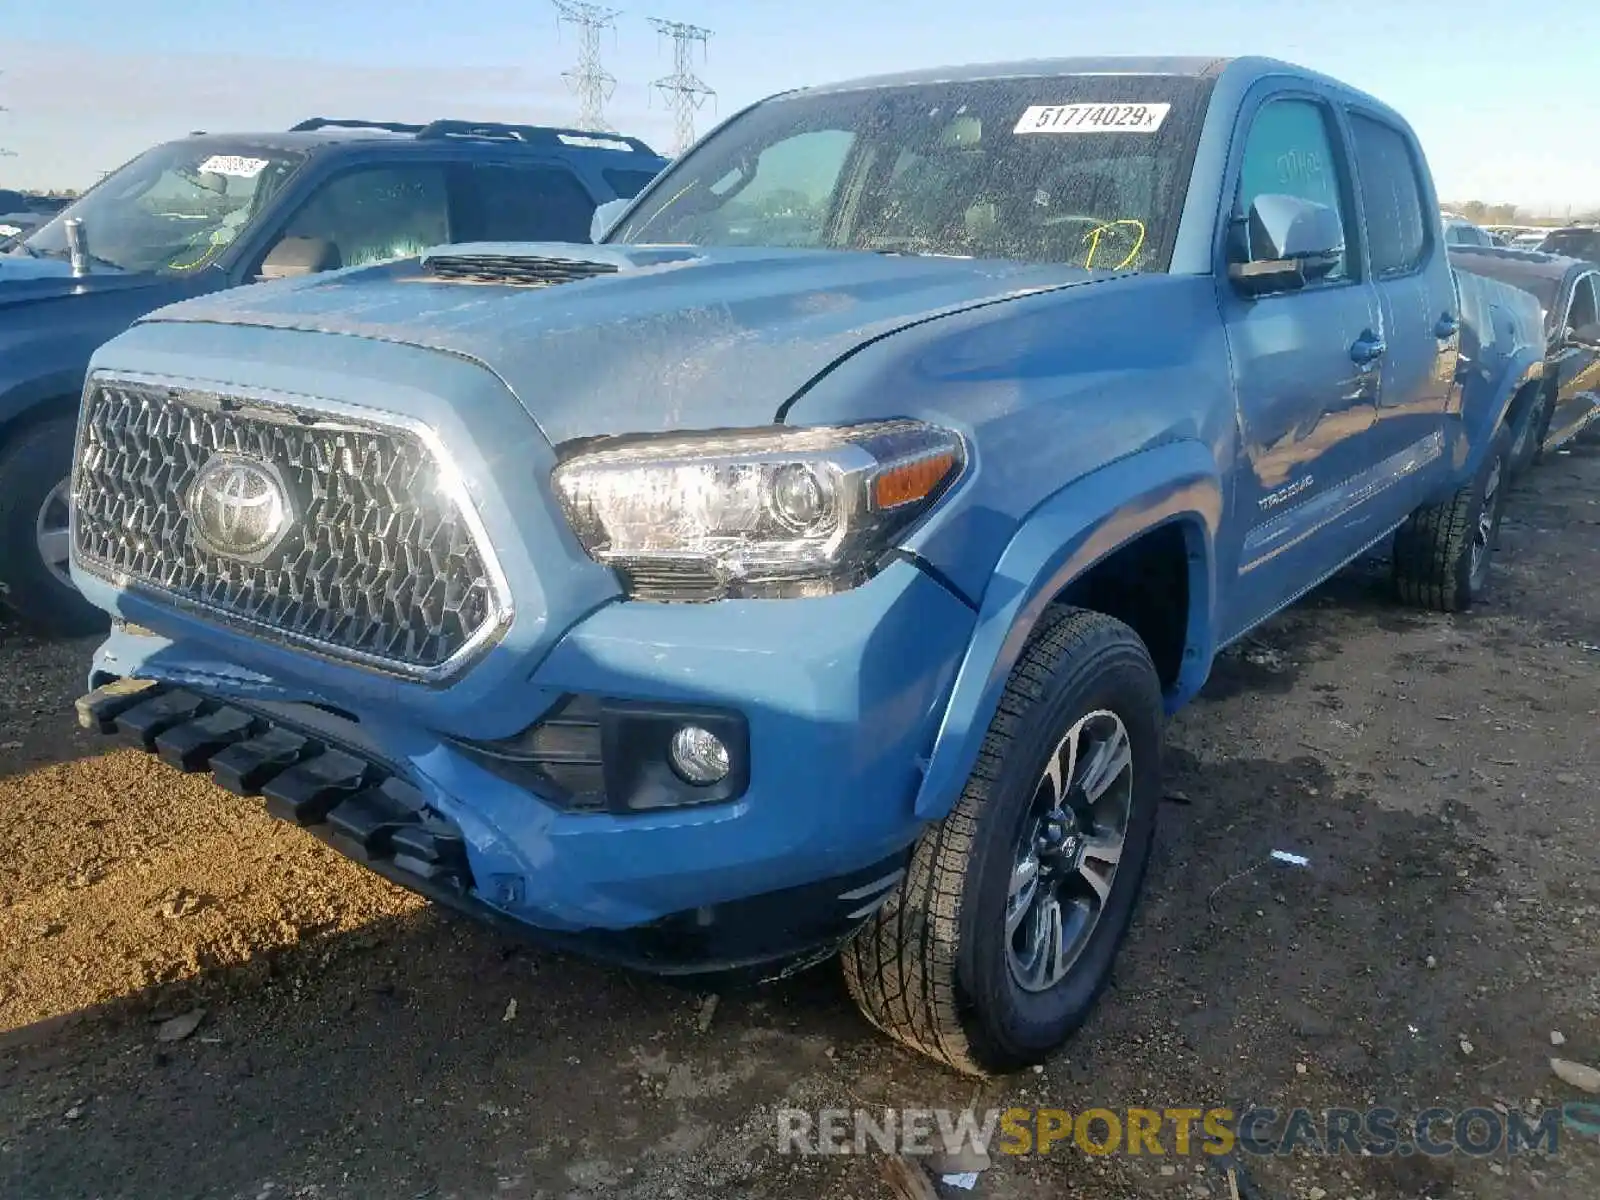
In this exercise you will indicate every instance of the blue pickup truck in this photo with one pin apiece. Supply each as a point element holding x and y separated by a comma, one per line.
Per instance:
<point>810,566</point>
<point>216,210</point>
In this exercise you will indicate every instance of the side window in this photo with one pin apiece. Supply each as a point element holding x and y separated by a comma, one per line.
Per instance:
<point>627,183</point>
<point>1290,151</point>
<point>373,214</point>
<point>1391,193</point>
<point>782,198</point>
<point>1584,310</point>
<point>532,203</point>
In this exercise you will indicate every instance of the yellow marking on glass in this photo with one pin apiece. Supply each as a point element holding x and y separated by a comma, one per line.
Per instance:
<point>1094,235</point>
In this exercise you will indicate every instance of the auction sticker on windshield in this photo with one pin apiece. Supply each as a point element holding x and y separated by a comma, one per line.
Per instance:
<point>1093,118</point>
<point>233,164</point>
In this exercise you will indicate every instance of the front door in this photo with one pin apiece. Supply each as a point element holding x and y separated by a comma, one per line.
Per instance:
<point>1307,375</point>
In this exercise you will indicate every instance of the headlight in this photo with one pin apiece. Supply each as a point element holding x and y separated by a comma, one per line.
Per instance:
<point>757,512</point>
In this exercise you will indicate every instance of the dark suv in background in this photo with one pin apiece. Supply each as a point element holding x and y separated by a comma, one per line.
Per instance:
<point>214,211</point>
<point>1574,241</point>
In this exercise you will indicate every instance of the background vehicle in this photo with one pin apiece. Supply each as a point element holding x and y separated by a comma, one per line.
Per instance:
<point>218,210</point>
<point>1527,241</point>
<point>813,563</point>
<point>22,213</point>
<point>1574,241</point>
<point>1566,401</point>
<point>1459,232</point>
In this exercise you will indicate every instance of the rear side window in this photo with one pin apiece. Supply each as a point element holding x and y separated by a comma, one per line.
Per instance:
<point>536,202</point>
<point>1391,193</point>
<point>626,183</point>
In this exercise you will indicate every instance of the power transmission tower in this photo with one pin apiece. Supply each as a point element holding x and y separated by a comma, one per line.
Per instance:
<point>589,79</point>
<point>684,90</point>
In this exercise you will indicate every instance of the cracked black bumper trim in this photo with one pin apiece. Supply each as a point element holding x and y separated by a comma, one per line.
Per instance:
<point>359,807</point>
<point>369,813</point>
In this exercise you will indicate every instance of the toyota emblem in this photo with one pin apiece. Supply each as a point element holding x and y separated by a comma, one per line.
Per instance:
<point>239,507</point>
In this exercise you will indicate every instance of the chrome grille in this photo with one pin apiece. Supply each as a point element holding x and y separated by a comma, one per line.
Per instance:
<point>381,565</point>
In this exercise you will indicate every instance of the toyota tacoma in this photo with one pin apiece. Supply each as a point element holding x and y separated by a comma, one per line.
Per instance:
<point>808,567</point>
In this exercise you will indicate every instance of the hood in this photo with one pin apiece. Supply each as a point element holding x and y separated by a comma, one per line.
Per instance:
<point>24,279</point>
<point>645,338</point>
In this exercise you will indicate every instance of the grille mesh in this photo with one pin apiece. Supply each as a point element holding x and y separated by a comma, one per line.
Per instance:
<point>380,565</point>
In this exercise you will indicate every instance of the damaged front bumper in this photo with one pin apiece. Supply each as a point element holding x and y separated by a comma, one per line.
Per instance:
<point>365,809</point>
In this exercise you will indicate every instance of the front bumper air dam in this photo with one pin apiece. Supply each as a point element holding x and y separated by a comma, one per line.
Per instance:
<point>367,811</point>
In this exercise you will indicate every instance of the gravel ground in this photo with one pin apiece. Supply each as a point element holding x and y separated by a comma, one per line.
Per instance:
<point>1442,775</point>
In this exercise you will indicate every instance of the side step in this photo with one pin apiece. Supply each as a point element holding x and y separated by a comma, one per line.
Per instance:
<point>359,807</point>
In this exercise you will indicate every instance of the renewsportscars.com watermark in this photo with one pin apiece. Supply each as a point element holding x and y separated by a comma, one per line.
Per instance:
<point>1180,1132</point>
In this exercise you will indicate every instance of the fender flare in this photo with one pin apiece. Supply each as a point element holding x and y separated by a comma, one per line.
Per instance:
<point>1063,537</point>
<point>1475,432</point>
<point>20,398</point>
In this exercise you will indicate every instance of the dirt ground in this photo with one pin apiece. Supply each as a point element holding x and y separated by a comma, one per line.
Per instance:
<point>1442,776</point>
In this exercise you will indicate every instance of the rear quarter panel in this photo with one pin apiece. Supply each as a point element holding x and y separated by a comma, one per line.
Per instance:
<point>1502,350</point>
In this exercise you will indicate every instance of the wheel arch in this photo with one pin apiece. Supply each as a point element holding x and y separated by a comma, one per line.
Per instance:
<point>1165,501</point>
<point>1484,410</point>
<point>31,401</point>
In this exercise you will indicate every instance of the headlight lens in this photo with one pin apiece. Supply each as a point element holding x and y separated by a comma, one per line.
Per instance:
<point>757,512</point>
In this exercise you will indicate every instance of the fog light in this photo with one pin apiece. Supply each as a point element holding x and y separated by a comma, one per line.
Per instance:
<point>699,755</point>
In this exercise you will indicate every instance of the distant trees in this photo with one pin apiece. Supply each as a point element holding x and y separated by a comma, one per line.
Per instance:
<point>1480,213</point>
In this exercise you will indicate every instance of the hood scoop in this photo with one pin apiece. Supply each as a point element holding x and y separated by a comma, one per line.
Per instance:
<point>511,270</point>
<point>532,264</point>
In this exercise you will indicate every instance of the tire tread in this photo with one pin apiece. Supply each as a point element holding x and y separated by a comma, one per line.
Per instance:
<point>900,968</point>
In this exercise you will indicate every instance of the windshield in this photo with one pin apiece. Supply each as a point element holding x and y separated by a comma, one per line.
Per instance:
<point>174,208</point>
<point>1086,170</point>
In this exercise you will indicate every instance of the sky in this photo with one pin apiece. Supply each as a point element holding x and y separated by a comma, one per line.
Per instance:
<point>1506,100</point>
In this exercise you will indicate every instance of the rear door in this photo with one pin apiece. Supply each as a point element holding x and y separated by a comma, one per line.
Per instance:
<point>1577,364</point>
<point>1420,322</point>
<point>1306,380</point>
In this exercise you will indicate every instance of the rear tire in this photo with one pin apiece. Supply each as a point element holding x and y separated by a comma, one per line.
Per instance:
<point>34,466</point>
<point>1444,552</point>
<point>1531,427</point>
<point>970,962</point>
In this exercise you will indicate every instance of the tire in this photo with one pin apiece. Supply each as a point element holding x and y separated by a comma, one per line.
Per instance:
<point>935,968</point>
<point>1530,429</point>
<point>34,465</point>
<point>1444,553</point>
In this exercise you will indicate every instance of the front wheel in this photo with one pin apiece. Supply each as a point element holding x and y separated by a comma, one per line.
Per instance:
<point>35,582</point>
<point>1531,427</point>
<point>1002,936</point>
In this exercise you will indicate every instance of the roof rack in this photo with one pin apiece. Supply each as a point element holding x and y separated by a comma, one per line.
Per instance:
<point>534,135</point>
<point>316,123</point>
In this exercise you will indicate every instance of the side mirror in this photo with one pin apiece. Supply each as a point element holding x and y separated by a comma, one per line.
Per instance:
<point>1291,242</point>
<point>1586,335</point>
<point>605,217</point>
<point>299,256</point>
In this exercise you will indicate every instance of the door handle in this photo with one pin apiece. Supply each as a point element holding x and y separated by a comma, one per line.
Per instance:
<point>1447,327</point>
<point>1368,348</point>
